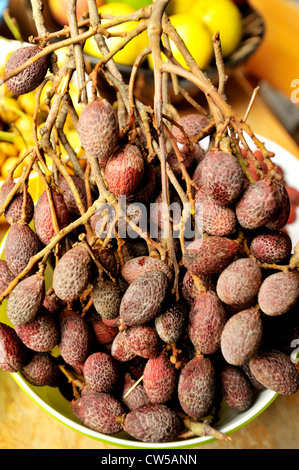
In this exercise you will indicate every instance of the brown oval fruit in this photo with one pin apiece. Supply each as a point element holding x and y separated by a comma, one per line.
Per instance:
<point>98,411</point>
<point>275,371</point>
<point>106,296</point>
<point>159,379</point>
<point>12,350</point>
<point>100,372</point>
<point>143,299</point>
<point>236,389</point>
<point>222,177</point>
<point>42,218</point>
<point>98,129</point>
<point>272,248</point>
<point>30,78</point>
<point>133,396</point>
<point>121,349</point>
<point>209,255</point>
<point>72,273</point>
<point>124,170</point>
<point>241,336</point>
<point>26,299</point>
<point>14,212</point>
<point>20,245</point>
<point>197,387</point>
<point>281,217</point>
<point>75,338</point>
<point>278,293</point>
<point>189,288</point>
<point>6,276</point>
<point>239,283</point>
<point>206,322</point>
<point>152,423</point>
<point>69,197</point>
<point>41,370</point>
<point>143,341</point>
<point>170,324</point>
<point>134,267</point>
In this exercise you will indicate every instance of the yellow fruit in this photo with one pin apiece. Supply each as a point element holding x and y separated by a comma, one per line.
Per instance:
<point>221,16</point>
<point>9,110</point>
<point>27,103</point>
<point>2,157</point>
<point>7,166</point>
<point>178,6</point>
<point>128,54</point>
<point>9,149</point>
<point>196,37</point>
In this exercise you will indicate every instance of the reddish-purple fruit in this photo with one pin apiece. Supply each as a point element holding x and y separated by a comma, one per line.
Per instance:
<point>209,255</point>
<point>107,259</point>
<point>106,296</point>
<point>121,348</point>
<point>241,336</point>
<point>100,372</point>
<point>75,338</point>
<point>133,395</point>
<point>239,283</point>
<point>134,267</point>
<point>190,155</point>
<point>278,293</point>
<point>42,218</point>
<point>30,78</point>
<point>98,411</point>
<point>69,197</point>
<point>281,217</point>
<point>26,299</point>
<point>41,334</point>
<point>189,288</point>
<point>197,175</point>
<point>206,322</point>
<point>222,177</point>
<point>146,188</point>
<point>236,389</point>
<point>255,383</point>
<point>20,245</point>
<point>153,423</point>
<point>170,325</point>
<point>124,170</point>
<point>272,248</point>
<point>212,217</point>
<point>197,387</point>
<point>72,273</point>
<point>193,124</point>
<point>275,370</point>
<point>159,379</point>
<point>143,299</point>
<point>51,303</point>
<point>41,370</point>
<point>12,350</point>
<point>144,341</point>
<point>258,204</point>
<point>136,366</point>
<point>6,276</point>
<point>14,212</point>
<point>104,334</point>
<point>98,129</point>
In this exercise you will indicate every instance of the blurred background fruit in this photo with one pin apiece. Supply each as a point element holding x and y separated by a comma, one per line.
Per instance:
<point>58,9</point>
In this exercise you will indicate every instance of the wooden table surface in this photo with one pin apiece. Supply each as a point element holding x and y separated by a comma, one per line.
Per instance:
<point>23,425</point>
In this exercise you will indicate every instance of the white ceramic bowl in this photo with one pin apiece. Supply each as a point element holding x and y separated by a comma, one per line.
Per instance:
<point>52,402</point>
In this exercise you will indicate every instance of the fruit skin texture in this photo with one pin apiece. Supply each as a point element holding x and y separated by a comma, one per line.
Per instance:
<point>41,334</point>
<point>20,245</point>
<point>100,372</point>
<point>279,293</point>
<point>72,273</point>
<point>75,338</point>
<point>192,123</point>
<point>124,170</point>
<point>209,255</point>
<point>258,204</point>
<point>170,325</point>
<point>40,370</point>
<point>236,389</point>
<point>6,276</point>
<point>159,379</point>
<point>197,386</point>
<point>107,297</point>
<point>121,349</point>
<point>222,177</point>
<point>143,341</point>
<point>275,371</point>
<point>212,217</point>
<point>42,216</point>
<point>31,77</point>
<point>271,248</point>
<point>189,289</point>
<point>239,283</point>
<point>241,336</point>
<point>13,212</point>
<point>280,219</point>
<point>25,300</point>
<point>98,411</point>
<point>134,267</point>
<point>104,334</point>
<point>137,397</point>
<point>152,423</point>
<point>143,299</point>
<point>206,322</point>
<point>98,129</point>
<point>12,350</point>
